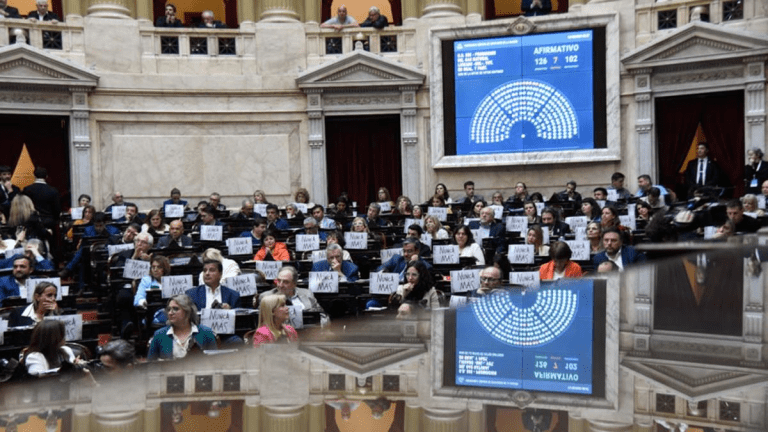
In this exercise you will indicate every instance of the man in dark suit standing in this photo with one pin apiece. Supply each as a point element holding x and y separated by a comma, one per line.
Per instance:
<point>45,198</point>
<point>8,11</point>
<point>7,190</point>
<point>213,295</point>
<point>702,171</point>
<point>42,13</point>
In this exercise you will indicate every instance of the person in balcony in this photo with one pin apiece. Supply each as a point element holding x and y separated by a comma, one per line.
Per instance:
<point>375,19</point>
<point>209,22</point>
<point>536,7</point>
<point>169,20</point>
<point>42,13</point>
<point>8,11</point>
<point>340,21</point>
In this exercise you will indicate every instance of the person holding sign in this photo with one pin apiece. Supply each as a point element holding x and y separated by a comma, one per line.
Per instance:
<point>550,218</point>
<point>435,228</point>
<point>159,266</point>
<point>43,303</point>
<point>88,212</point>
<point>286,285</point>
<point>246,210</point>
<point>273,315</point>
<point>467,246</point>
<point>385,197</point>
<point>438,201</point>
<point>348,271</point>
<point>207,217</point>
<point>311,228</point>
<point>418,289</point>
<point>273,249</point>
<point>561,265</point>
<point>213,295</point>
<point>46,351</point>
<point>182,334</point>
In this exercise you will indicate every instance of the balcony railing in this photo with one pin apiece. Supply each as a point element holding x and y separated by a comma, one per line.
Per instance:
<point>63,36</point>
<point>389,41</point>
<point>196,42</point>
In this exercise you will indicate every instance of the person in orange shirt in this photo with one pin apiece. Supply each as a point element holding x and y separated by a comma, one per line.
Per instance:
<point>560,265</point>
<point>271,246</point>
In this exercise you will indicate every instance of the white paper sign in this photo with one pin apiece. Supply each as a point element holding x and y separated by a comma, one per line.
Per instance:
<point>426,239</point>
<point>581,233</point>
<point>76,213</point>
<point>520,254</point>
<point>324,282</point>
<point>540,207</point>
<point>479,235</point>
<point>30,285</point>
<point>457,301</point>
<point>612,196</point>
<point>751,214</point>
<point>221,321</point>
<point>468,221</point>
<point>301,207</point>
<point>245,283</point>
<point>577,222</point>
<point>269,268</point>
<point>386,207</point>
<point>211,232</point>
<point>761,202</point>
<point>3,328</point>
<point>411,221</point>
<point>73,326</point>
<point>498,211</point>
<point>113,249</point>
<point>13,252</point>
<point>529,279</point>
<point>386,254</point>
<point>135,269</point>
<point>240,246</point>
<point>579,250</point>
<point>297,315</point>
<point>118,212</point>
<point>356,240</point>
<point>383,283</point>
<point>440,212</point>
<point>173,210</point>
<point>628,221</point>
<point>307,242</point>
<point>545,234</point>
<point>465,280</point>
<point>601,203</point>
<point>517,224</point>
<point>445,254</point>
<point>709,232</point>
<point>318,255</point>
<point>260,209</point>
<point>175,285</point>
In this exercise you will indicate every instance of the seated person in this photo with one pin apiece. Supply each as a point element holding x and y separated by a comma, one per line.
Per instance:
<point>116,355</point>
<point>211,294</point>
<point>175,238</point>
<point>260,197</point>
<point>175,193</point>
<point>159,267</point>
<point>14,284</point>
<point>336,237</point>
<point>535,237</point>
<point>536,7</point>
<point>42,13</point>
<point>418,290</point>
<point>215,201</point>
<point>273,219</point>
<point>286,281</point>
<point>207,217</point>
<point>550,218</point>
<point>257,233</point>
<point>568,195</point>
<point>310,227</point>
<point>375,19</point>
<point>744,224</point>
<point>273,314</point>
<point>340,21</point>
<point>271,249</point>
<point>347,270</point>
<point>47,351</point>
<point>318,212</point>
<point>293,212</point>
<point>398,263</point>
<point>155,224</point>
<point>141,247</point>
<point>372,216</point>
<point>131,215</point>
<point>183,334</point>
<point>246,210</point>
<point>488,228</point>
<point>43,303</point>
<point>169,20</point>
<point>435,228</point>
<point>467,246</point>
<point>560,266</point>
<point>209,22</point>
<point>230,266</point>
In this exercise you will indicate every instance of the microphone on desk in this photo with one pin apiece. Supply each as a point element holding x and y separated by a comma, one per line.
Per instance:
<point>215,305</point>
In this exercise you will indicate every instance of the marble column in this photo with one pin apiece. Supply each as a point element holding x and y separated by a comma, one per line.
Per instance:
<point>754,102</point>
<point>251,417</point>
<point>410,139</point>
<point>316,416</point>
<point>145,10</point>
<point>80,148</point>
<point>152,419</point>
<point>290,418</point>
<point>118,422</point>
<point>246,11</point>
<point>476,7</point>
<point>74,7</point>
<point>109,9</point>
<point>475,417</point>
<point>441,8</point>
<point>412,417</point>
<point>279,11</point>
<point>410,9</point>
<point>316,141</point>
<point>444,420</point>
<point>312,11</point>
<point>576,423</point>
<point>81,418</point>
<point>606,426</point>
<point>646,151</point>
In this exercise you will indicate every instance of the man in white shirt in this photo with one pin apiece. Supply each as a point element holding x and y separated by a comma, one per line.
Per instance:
<point>341,20</point>
<point>213,295</point>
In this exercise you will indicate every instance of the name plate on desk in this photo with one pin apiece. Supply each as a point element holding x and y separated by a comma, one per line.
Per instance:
<point>175,285</point>
<point>211,232</point>
<point>356,240</point>
<point>426,239</point>
<point>411,221</point>
<point>498,211</point>
<point>114,249</point>
<point>245,284</point>
<point>628,220</point>
<point>135,269</point>
<point>440,212</point>
<point>465,280</point>
<point>302,207</point>
<point>457,301</point>
<point>240,246</point>
<point>520,254</point>
<point>30,285</point>
<point>221,321</point>
<point>118,212</point>
<point>269,268</point>
<point>529,279</point>
<point>261,209</point>
<point>296,316</point>
<point>517,224</point>
<point>3,328</point>
<point>307,242</point>
<point>387,254</point>
<point>577,222</point>
<point>73,326</point>
<point>383,283</point>
<point>445,254</point>
<point>173,210</point>
<point>580,233</point>
<point>324,282</point>
<point>579,250</point>
<point>76,213</point>
<point>318,255</point>
<point>385,207</point>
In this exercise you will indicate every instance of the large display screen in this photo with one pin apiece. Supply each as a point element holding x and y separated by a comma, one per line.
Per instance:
<point>539,92</point>
<point>547,339</point>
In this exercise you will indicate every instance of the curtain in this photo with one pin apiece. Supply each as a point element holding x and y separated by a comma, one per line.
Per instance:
<point>722,120</point>
<point>676,123</point>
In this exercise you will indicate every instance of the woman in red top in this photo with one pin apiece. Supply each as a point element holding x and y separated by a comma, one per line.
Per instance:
<point>271,246</point>
<point>560,265</point>
<point>273,313</point>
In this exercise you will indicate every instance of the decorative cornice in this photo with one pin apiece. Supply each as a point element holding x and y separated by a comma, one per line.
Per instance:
<point>710,75</point>
<point>23,62</point>
<point>361,68</point>
<point>696,42</point>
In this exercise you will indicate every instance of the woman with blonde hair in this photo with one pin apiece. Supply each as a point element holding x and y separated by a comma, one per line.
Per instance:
<point>24,216</point>
<point>434,228</point>
<point>230,266</point>
<point>273,315</point>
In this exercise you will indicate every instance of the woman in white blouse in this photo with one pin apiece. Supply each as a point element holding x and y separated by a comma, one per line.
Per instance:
<point>467,246</point>
<point>46,351</point>
<point>434,228</point>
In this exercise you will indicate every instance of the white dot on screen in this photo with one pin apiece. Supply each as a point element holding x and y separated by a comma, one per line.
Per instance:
<point>522,136</point>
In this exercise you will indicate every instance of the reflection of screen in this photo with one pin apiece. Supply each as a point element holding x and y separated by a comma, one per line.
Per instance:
<point>531,340</point>
<point>525,93</point>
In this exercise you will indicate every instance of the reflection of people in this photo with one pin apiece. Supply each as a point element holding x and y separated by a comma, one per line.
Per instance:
<point>378,406</point>
<point>537,420</point>
<point>346,407</point>
<point>536,7</point>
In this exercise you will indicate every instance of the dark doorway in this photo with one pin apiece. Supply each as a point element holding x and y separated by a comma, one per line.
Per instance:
<point>719,119</point>
<point>363,154</point>
<point>47,140</point>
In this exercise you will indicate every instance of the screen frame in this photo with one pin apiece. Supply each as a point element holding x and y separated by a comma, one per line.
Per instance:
<point>441,84</point>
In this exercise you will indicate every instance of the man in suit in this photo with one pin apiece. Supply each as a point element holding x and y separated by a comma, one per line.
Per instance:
<point>7,189</point>
<point>615,251</point>
<point>702,171</point>
<point>536,7</point>
<point>744,224</point>
<point>8,11</point>
<point>13,284</point>
<point>488,228</point>
<point>45,198</point>
<point>213,295</point>
<point>169,19</point>
<point>347,270</point>
<point>756,171</point>
<point>568,195</point>
<point>286,281</point>
<point>175,238</point>
<point>398,263</point>
<point>273,219</point>
<point>550,218</point>
<point>42,13</point>
<point>209,22</point>
<point>469,194</point>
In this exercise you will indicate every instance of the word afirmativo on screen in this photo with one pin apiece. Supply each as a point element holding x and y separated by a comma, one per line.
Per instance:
<point>523,94</point>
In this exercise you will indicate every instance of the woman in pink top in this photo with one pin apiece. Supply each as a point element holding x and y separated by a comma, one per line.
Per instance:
<point>273,313</point>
